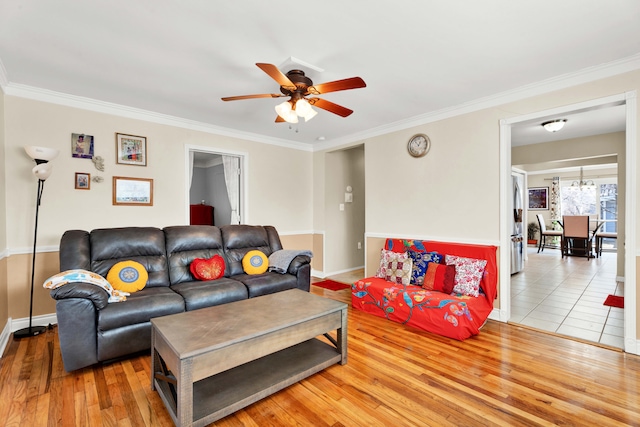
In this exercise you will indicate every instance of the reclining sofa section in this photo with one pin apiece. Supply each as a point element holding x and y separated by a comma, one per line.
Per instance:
<point>91,330</point>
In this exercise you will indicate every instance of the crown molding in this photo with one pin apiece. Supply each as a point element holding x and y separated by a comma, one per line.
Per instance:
<point>563,81</point>
<point>59,98</point>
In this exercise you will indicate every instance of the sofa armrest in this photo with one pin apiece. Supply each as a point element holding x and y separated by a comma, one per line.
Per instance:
<point>298,262</point>
<point>98,296</point>
<point>301,268</point>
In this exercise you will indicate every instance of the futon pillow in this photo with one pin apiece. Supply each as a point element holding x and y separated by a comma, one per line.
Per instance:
<point>385,258</point>
<point>128,276</point>
<point>255,262</point>
<point>85,276</point>
<point>207,269</point>
<point>421,261</point>
<point>469,272</point>
<point>439,277</point>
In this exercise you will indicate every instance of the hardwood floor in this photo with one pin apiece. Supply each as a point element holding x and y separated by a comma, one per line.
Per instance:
<point>395,375</point>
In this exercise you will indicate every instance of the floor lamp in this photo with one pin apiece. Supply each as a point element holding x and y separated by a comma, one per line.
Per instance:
<point>41,170</point>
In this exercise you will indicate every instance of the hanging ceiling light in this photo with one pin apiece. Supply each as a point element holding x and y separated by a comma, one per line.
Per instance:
<point>554,125</point>
<point>579,185</point>
<point>290,114</point>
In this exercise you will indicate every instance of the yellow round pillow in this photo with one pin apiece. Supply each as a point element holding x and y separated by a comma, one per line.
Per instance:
<point>128,276</point>
<point>255,262</point>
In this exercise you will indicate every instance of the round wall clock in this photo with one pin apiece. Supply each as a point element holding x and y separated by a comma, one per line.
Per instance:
<point>419,145</point>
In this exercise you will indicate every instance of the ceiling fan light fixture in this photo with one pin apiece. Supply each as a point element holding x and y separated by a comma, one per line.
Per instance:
<point>285,111</point>
<point>310,115</point>
<point>554,125</point>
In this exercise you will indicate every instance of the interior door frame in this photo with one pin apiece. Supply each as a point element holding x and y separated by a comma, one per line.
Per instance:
<point>629,99</point>
<point>244,188</point>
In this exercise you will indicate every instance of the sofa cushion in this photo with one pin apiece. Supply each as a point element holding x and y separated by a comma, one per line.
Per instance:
<point>200,294</point>
<point>140,307</point>
<point>128,276</point>
<point>145,245</point>
<point>255,262</point>
<point>207,269</point>
<point>267,283</point>
<point>188,242</point>
<point>240,239</point>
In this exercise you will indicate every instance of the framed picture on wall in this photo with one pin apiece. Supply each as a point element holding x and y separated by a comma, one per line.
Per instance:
<point>539,198</point>
<point>132,191</point>
<point>81,146</point>
<point>131,150</point>
<point>83,181</point>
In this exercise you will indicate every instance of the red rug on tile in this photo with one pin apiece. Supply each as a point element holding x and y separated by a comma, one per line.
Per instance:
<point>332,285</point>
<point>614,301</point>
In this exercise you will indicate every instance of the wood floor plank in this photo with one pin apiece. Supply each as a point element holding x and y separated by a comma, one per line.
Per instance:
<point>396,375</point>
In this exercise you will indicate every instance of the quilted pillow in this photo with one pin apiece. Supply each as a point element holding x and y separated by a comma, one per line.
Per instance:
<point>84,276</point>
<point>255,262</point>
<point>128,276</point>
<point>385,258</point>
<point>439,277</point>
<point>207,269</point>
<point>397,268</point>
<point>469,272</point>
<point>420,262</point>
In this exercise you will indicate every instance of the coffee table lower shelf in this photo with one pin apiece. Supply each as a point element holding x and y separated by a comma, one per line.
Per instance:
<point>224,393</point>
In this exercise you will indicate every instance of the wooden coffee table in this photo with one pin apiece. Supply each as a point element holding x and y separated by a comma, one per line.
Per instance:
<point>211,362</point>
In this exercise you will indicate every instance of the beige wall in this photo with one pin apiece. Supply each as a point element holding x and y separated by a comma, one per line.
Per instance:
<point>279,185</point>
<point>453,193</point>
<point>344,228</point>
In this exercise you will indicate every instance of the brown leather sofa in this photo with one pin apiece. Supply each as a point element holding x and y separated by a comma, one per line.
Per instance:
<point>91,330</point>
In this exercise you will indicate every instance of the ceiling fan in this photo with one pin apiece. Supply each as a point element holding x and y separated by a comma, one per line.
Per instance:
<point>297,86</point>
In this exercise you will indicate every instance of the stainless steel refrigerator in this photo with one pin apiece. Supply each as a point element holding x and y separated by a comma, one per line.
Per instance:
<point>517,207</point>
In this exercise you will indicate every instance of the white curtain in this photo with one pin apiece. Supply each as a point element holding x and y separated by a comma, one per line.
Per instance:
<point>554,200</point>
<point>191,156</point>
<point>232,180</point>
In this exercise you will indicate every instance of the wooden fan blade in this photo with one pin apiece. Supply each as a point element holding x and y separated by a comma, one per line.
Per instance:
<point>345,84</point>
<point>262,95</point>
<point>277,75</point>
<point>330,106</point>
<point>279,119</point>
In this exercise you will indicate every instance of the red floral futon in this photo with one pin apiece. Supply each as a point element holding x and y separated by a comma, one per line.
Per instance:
<point>449,314</point>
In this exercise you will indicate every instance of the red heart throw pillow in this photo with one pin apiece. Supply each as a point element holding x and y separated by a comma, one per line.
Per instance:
<point>207,269</point>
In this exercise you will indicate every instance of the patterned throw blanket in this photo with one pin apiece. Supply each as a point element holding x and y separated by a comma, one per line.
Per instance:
<point>85,276</point>
<point>279,260</point>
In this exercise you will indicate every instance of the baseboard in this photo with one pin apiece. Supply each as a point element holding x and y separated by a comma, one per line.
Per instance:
<point>43,320</point>
<point>323,275</point>
<point>499,315</point>
<point>4,337</point>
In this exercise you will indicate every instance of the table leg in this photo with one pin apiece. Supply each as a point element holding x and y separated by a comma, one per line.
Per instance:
<point>342,338</point>
<point>184,405</point>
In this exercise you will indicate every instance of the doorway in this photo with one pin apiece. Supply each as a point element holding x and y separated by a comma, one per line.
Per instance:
<point>208,186</point>
<point>628,225</point>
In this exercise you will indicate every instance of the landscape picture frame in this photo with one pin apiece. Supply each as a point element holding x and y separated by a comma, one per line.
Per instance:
<point>132,191</point>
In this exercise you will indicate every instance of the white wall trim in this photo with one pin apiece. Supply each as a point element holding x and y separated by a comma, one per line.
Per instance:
<point>464,241</point>
<point>42,320</point>
<point>630,312</point>
<point>323,275</point>
<point>244,180</point>
<point>39,249</point>
<point>4,336</point>
<point>563,81</point>
<point>586,75</point>
<point>59,98</point>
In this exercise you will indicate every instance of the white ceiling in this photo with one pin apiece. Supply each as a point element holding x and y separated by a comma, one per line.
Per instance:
<point>419,58</point>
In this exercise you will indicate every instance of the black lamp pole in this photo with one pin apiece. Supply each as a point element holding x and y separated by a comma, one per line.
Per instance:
<point>32,331</point>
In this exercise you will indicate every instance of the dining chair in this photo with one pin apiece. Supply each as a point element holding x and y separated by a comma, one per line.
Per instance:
<point>603,235</point>
<point>544,233</point>
<point>577,239</point>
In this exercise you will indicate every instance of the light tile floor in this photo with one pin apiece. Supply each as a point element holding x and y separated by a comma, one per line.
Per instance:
<point>566,296</point>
